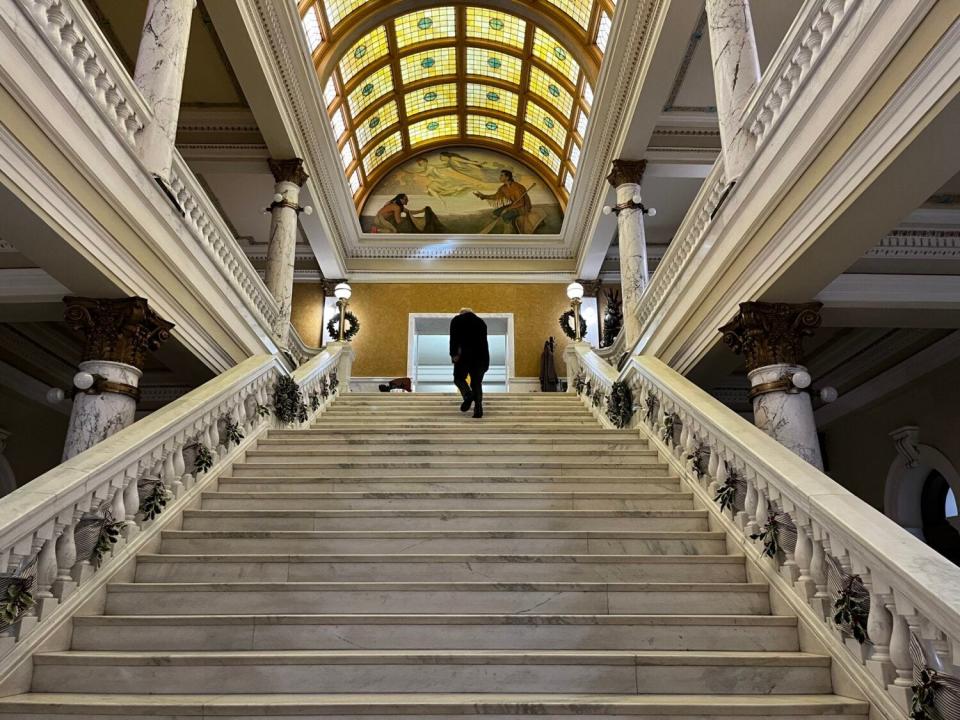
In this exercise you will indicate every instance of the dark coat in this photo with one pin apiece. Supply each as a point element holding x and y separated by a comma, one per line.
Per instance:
<point>468,339</point>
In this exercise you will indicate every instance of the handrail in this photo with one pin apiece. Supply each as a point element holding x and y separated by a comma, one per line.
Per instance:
<point>913,589</point>
<point>614,350</point>
<point>177,445</point>
<point>76,39</point>
<point>301,351</point>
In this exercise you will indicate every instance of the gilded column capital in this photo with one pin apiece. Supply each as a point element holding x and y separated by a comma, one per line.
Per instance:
<point>771,333</point>
<point>116,330</point>
<point>626,171</point>
<point>290,171</point>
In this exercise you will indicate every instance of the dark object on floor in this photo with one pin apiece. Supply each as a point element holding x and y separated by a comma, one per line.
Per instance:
<point>548,369</point>
<point>403,383</point>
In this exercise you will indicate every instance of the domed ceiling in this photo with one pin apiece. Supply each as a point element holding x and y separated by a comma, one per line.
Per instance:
<point>517,78</point>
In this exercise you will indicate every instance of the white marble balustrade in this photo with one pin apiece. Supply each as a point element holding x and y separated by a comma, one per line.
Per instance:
<point>913,589</point>
<point>38,520</point>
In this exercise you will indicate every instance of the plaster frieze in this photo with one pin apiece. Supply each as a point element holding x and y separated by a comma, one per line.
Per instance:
<point>920,244</point>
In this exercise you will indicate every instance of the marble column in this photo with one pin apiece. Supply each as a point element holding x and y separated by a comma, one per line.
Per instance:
<point>736,74</point>
<point>161,60</point>
<point>634,272</point>
<point>118,334</point>
<point>770,336</point>
<point>281,252</point>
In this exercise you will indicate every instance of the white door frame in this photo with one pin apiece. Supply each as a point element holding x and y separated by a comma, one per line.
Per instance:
<point>412,341</point>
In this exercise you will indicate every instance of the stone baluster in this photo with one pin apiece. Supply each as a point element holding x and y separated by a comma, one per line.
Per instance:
<point>762,508</point>
<point>803,555</point>
<point>749,507</point>
<point>625,177</point>
<point>131,504</point>
<point>180,473</point>
<point>119,512</point>
<point>770,335</point>
<point>736,75</point>
<point>900,657</point>
<point>820,602</point>
<point>46,576</point>
<point>281,251</point>
<point>118,334</point>
<point>64,585</point>
<point>161,60</point>
<point>880,631</point>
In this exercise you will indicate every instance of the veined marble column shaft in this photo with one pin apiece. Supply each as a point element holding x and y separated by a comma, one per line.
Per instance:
<point>634,270</point>
<point>736,74</point>
<point>281,252</point>
<point>770,336</point>
<point>118,335</point>
<point>161,60</point>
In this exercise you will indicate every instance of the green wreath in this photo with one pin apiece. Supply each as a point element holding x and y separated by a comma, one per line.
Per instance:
<point>567,326</point>
<point>353,327</point>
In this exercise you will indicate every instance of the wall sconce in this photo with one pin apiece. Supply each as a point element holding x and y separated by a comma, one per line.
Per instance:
<point>575,293</point>
<point>632,204</point>
<point>342,292</point>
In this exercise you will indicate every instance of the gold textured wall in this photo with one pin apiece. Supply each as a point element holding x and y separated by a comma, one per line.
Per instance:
<point>383,310</point>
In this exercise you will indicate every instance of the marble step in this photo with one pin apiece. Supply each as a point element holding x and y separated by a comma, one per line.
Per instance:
<point>426,454</point>
<point>438,597</point>
<point>408,446</point>
<point>491,706</point>
<point>413,483</point>
<point>454,519</point>
<point>478,432</point>
<point>469,671</point>
<point>507,501</point>
<point>436,632</point>
<point>201,538</point>
<point>439,568</point>
<point>489,468</point>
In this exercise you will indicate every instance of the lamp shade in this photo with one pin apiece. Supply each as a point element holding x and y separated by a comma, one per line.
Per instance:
<point>342,291</point>
<point>574,291</point>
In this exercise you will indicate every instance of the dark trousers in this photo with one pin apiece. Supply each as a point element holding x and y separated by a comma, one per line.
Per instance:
<point>460,372</point>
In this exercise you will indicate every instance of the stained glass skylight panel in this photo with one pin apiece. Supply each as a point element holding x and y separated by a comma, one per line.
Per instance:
<point>540,150</point>
<point>329,91</point>
<point>588,94</point>
<point>355,182</point>
<point>491,127</point>
<point>337,10</point>
<point>383,119</point>
<point>579,10</point>
<point>311,29</point>
<point>555,55</point>
<point>368,49</point>
<point>346,154</point>
<point>496,26</point>
<point>424,25</point>
<point>432,97</point>
<point>546,123</point>
<point>338,124</point>
<point>549,89</point>
<point>574,154</point>
<point>492,98</point>
<point>493,64</point>
<point>390,146</point>
<point>428,63</point>
<point>371,88</point>
<point>568,182</point>
<point>582,121</point>
<point>433,129</point>
<point>603,31</point>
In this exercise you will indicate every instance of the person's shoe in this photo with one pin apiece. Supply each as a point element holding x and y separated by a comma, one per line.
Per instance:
<point>478,411</point>
<point>467,402</point>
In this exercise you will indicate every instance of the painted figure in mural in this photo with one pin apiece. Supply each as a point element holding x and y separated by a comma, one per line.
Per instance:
<point>470,354</point>
<point>513,206</point>
<point>390,217</point>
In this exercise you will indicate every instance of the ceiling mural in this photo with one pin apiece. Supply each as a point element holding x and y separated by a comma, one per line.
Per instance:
<point>459,75</point>
<point>462,190</point>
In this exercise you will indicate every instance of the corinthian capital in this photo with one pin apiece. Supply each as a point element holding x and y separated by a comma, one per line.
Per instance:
<point>771,333</point>
<point>626,171</point>
<point>120,330</point>
<point>288,171</point>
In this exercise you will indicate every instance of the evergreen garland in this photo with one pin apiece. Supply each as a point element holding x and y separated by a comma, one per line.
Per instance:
<point>231,431</point>
<point>566,324</point>
<point>288,404</point>
<point>349,332</point>
<point>726,493</point>
<point>651,410</point>
<point>612,318</point>
<point>620,407</point>
<point>324,388</point>
<point>851,611</point>
<point>768,535</point>
<point>108,537</point>
<point>579,383</point>
<point>700,456</point>
<point>921,704</point>
<point>598,398</point>
<point>203,460</point>
<point>334,382</point>
<point>315,401</point>
<point>262,410</point>
<point>669,422</point>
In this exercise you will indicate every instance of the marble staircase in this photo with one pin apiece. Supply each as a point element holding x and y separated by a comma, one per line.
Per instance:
<point>401,559</point>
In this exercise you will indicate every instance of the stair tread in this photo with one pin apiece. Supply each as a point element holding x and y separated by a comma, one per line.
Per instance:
<point>428,619</point>
<point>411,534</point>
<point>472,495</point>
<point>464,512</point>
<point>431,657</point>
<point>440,586</point>
<point>441,558</point>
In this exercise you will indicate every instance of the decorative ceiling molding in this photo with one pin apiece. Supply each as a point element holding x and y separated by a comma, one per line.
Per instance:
<point>695,38</point>
<point>920,244</point>
<point>442,250</point>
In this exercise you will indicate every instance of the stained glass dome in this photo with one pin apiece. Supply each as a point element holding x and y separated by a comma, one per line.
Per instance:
<point>395,85</point>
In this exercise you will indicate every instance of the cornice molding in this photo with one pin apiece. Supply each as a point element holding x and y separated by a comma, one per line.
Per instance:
<point>920,244</point>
